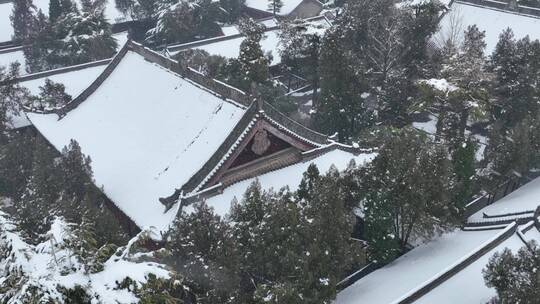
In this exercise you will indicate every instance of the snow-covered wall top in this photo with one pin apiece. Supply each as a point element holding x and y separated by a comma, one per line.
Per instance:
<point>494,22</point>
<point>147,131</point>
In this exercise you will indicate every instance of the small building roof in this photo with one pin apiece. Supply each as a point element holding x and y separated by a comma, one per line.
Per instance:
<point>493,21</point>
<point>229,46</point>
<point>433,272</point>
<point>411,270</point>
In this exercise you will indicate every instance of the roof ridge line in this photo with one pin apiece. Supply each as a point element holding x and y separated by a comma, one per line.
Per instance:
<point>71,68</point>
<point>74,103</point>
<point>216,87</point>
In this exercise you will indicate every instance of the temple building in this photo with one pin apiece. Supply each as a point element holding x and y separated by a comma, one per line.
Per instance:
<point>158,146</point>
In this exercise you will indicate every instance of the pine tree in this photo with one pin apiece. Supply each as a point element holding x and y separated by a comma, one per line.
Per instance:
<point>341,108</point>
<point>407,191</point>
<point>33,208</point>
<point>23,20</point>
<point>200,248</point>
<point>515,277</point>
<point>55,10</point>
<point>515,64</point>
<point>274,6</point>
<point>51,96</point>
<point>254,65</point>
<point>75,37</point>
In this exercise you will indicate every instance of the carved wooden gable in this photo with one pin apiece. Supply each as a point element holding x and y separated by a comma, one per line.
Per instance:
<point>266,148</point>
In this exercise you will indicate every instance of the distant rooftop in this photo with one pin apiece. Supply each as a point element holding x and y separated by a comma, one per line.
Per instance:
<point>493,21</point>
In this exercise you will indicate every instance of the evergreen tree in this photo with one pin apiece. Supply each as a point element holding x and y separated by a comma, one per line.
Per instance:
<point>200,248</point>
<point>183,21</point>
<point>55,10</point>
<point>12,96</point>
<point>407,192</point>
<point>463,160</point>
<point>515,277</point>
<point>33,208</point>
<point>300,46</point>
<point>274,6</point>
<point>511,154</point>
<point>75,37</point>
<point>341,107</point>
<point>51,96</point>
<point>516,69</point>
<point>23,20</point>
<point>254,65</point>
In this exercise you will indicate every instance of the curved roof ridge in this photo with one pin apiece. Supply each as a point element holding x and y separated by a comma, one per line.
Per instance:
<point>74,103</point>
<point>293,127</point>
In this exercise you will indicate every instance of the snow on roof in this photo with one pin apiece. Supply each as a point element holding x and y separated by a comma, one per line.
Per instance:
<point>289,176</point>
<point>288,6</point>
<point>411,270</point>
<point>74,81</point>
<point>230,48</point>
<point>526,198</point>
<point>147,131</point>
<point>493,21</point>
<point>468,286</point>
<point>9,56</point>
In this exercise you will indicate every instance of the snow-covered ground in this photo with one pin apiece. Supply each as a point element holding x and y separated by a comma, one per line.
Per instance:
<point>146,138</point>
<point>52,265</point>
<point>526,198</point>
<point>494,22</point>
<point>289,176</point>
<point>414,268</point>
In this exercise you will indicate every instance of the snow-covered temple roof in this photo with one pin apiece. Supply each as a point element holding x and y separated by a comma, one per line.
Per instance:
<point>448,269</point>
<point>147,131</point>
<point>493,21</point>
<point>161,135</point>
<point>229,46</point>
